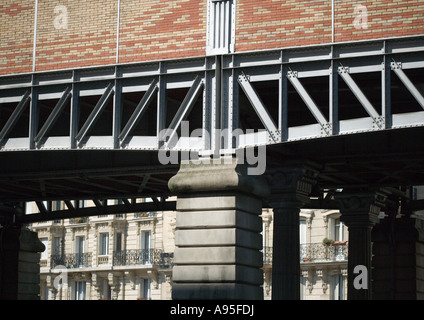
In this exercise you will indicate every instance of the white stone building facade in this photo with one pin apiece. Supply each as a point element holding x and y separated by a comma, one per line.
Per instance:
<point>129,256</point>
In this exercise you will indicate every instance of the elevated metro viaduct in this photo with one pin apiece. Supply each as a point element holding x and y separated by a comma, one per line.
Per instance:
<point>338,126</point>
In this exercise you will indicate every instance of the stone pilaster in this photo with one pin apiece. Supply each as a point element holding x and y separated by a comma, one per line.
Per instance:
<point>359,211</point>
<point>217,235</point>
<point>291,187</point>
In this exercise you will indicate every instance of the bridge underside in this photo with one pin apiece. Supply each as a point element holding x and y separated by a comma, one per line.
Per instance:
<point>391,158</point>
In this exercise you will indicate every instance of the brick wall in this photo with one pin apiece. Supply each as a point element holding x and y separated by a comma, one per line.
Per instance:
<point>386,18</point>
<point>88,37</point>
<point>154,30</point>
<point>16,35</point>
<point>269,24</point>
<point>157,29</point>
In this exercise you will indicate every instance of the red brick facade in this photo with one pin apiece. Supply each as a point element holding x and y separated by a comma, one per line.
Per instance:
<point>155,29</point>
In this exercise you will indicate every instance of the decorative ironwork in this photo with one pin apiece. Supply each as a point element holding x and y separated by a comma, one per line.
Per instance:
<point>319,252</point>
<point>134,257</point>
<point>163,260</point>
<point>314,252</point>
<point>166,260</point>
<point>75,260</point>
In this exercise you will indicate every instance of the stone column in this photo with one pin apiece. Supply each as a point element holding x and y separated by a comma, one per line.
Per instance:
<point>394,253</point>
<point>359,211</point>
<point>20,264</point>
<point>217,235</point>
<point>291,186</point>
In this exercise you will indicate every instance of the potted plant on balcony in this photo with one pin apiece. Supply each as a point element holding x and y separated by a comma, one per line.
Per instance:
<point>327,242</point>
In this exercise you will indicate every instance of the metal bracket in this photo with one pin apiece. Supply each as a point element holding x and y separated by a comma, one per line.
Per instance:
<point>292,74</point>
<point>378,122</point>
<point>327,129</point>
<point>395,65</point>
<point>274,136</point>
<point>343,70</point>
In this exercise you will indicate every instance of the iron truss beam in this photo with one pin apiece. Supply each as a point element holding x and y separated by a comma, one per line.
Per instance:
<point>100,208</point>
<point>293,93</point>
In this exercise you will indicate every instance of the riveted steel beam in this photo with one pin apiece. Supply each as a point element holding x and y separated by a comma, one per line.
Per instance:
<point>259,107</point>
<point>396,67</point>
<point>325,125</point>
<point>54,115</point>
<point>94,115</point>
<point>139,111</point>
<point>369,108</point>
<point>183,111</point>
<point>11,122</point>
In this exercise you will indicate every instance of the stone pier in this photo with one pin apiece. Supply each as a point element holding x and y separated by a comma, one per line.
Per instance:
<point>218,231</point>
<point>20,264</point>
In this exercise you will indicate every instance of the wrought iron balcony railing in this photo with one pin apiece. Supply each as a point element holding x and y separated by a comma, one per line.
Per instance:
<point>156,257</point>
<point>74,260</point>
<point>133,257</point>
<point>314,252</point>
<point>319,252</point>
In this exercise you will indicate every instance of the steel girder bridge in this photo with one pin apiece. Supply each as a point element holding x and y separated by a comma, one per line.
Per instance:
<point>356,109</point>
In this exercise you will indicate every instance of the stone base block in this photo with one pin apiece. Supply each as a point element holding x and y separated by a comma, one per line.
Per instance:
<point>216,291</point>
<point>218,273</point>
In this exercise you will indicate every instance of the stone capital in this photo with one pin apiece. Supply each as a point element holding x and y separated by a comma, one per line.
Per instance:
<point>219,175</point>
<point>291,185</point>
<point>360,208</point>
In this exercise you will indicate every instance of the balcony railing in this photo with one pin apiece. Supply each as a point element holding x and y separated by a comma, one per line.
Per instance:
<point>314,252</point>
<point>132,257</point>
<point>319,252</point>
<point>75,260</point>
<point>123,258</point>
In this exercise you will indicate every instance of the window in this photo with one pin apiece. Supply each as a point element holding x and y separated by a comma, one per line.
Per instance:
<point>79,251</point>
<point>56,246</point>
<point>145,238</point>
<point>338,287</point>
<point>80,290</point>
<point>338,230</point>
<point>118,242</point>
<point>104,244</point>
<point>106,290</point>
<point>44,254</point>
<point>221,26</point>
<point>145,288</point>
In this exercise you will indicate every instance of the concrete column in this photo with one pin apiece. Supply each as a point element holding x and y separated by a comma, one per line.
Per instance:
<point>217,235</point>
<point>360,213</point>
<point>291,187</point>
<point>20,264</point>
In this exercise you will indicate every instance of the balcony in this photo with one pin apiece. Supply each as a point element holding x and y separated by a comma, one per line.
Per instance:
<point>123,258</point>
<point>143,257</point>
<point>71,261</point>
<point>319,252</point>
<point>314,252</point>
